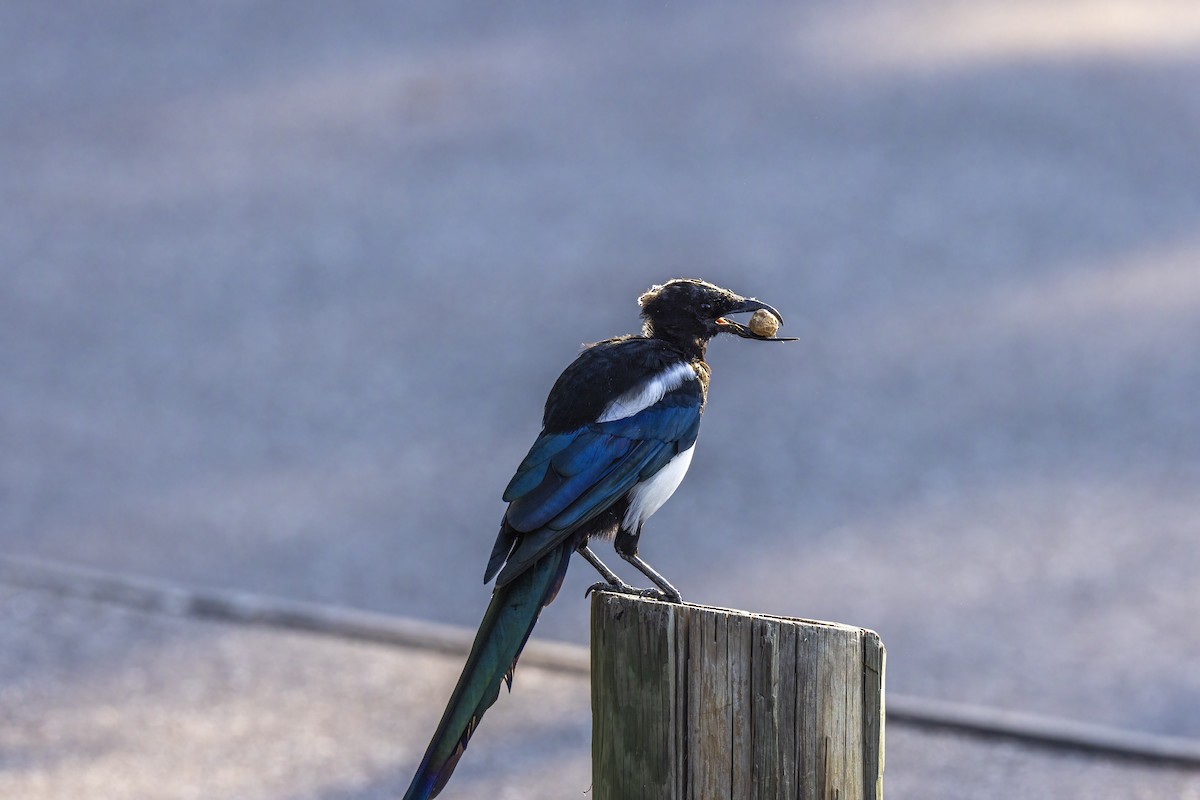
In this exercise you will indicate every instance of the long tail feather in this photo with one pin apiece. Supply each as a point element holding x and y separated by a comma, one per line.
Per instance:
<point>506,626</point>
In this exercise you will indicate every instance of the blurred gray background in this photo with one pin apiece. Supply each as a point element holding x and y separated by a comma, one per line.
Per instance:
<point>286,283</point>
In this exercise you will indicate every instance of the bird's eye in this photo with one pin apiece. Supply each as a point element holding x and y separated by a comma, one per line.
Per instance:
<point>706,307</point>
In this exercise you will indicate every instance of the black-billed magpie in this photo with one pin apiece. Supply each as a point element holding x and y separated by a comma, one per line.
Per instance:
<point>617,437</point>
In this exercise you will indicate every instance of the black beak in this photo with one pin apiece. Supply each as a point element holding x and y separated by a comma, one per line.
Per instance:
<point>738,329</point>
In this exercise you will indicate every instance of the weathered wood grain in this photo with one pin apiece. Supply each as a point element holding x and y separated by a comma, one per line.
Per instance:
<point>696,703</point>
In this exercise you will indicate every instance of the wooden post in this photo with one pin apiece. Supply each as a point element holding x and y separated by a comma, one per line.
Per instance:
<point>697,703</point>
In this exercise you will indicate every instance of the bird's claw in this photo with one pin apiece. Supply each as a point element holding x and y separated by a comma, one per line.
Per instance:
<point>625,588</point>
<point>616,588</point>
<point>665,597</point>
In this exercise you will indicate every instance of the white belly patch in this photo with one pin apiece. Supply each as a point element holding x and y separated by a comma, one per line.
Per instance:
<point>648,496</point>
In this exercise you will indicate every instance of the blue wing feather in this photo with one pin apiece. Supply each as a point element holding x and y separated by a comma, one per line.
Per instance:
<point>533,468</point>
<point>595,457</point>
<point>568,478</point>
<point>668,421</point>
<point>608,489</point>
<point>592,448</point>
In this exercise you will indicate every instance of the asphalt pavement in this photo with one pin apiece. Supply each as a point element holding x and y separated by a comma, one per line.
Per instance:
<point>286,284</point>
<point>105,701</point>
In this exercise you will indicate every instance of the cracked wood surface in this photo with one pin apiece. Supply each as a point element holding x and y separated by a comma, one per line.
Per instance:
<point>697,702</point>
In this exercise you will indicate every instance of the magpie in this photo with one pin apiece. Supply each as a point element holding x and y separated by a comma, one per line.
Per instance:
<point>618,433</point>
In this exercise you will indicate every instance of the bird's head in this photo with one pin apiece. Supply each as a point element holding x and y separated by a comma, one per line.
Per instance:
<point>687,311</point>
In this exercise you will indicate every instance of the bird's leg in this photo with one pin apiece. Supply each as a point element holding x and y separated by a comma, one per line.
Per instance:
<point>612,582</point>
<point>626,546</point>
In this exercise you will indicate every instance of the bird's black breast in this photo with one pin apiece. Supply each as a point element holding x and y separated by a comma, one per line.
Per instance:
<point>603,372</point>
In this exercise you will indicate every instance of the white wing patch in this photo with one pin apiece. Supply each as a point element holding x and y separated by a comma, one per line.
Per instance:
<point>648,496</point>
<point>644,395</point>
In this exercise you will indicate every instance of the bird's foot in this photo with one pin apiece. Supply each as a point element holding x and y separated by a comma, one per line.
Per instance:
<point>672,596</point>
<point>633,591</point>
<point>619,587</point>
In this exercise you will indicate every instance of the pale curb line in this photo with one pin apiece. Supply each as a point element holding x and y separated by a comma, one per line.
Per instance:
<point>163,597</point>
